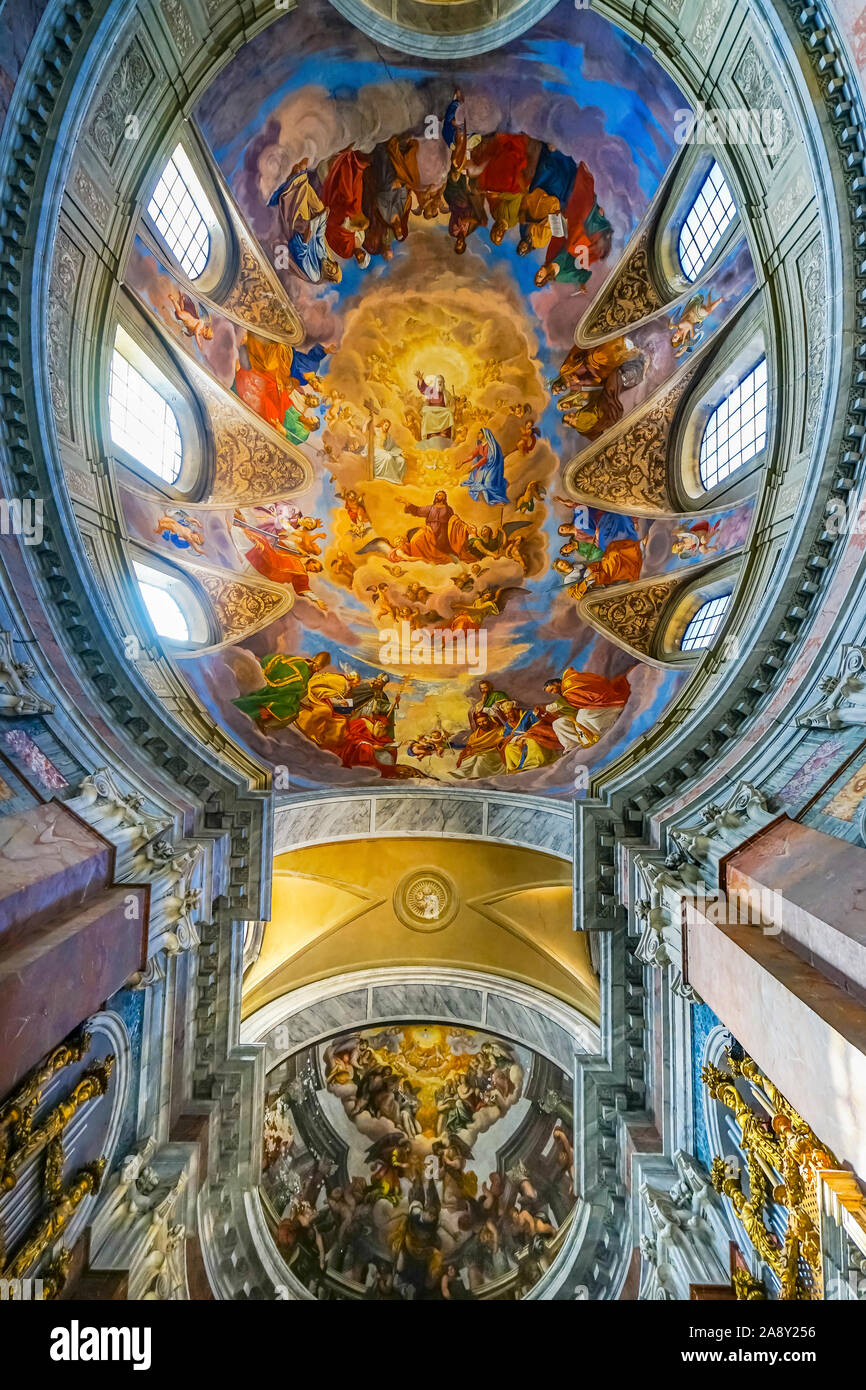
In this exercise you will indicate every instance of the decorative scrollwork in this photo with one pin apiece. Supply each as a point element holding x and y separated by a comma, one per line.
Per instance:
<point>782,1146</point>
<point>627,297</point>
<point>633,615</point>
<point>239,606</point>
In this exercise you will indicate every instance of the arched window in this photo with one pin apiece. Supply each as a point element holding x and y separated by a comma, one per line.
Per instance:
<point>737,429</point>
<point>166,614</point>
<point>182,215</point>
<point>178,613</point>
<point>703,627</point>
<point>143,423</point>
<point>708,219</point>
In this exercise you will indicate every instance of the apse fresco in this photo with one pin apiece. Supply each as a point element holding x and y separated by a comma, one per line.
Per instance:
<point>418,1161</point>
<point>440,233</point>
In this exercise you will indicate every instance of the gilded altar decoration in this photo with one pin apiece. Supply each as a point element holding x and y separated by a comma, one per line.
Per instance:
<point>25,1134</point>
<point>31,1139</point>
<point>746,1288</point>
<point>783,1159</point>
<point>84,1184</point>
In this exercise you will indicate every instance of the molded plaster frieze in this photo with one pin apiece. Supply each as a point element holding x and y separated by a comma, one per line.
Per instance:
<point>365,998</point>
<point>706,29</point>
<point>682,1236</point>
<point>843,695</point>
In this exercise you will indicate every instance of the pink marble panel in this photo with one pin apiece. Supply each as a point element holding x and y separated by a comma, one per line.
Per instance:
<point>804,1032</point>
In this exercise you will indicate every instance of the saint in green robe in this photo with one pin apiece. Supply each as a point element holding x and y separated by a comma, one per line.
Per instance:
<point>278,701</point>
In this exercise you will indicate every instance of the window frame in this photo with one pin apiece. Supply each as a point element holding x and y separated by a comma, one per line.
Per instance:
<point>148,353</point>
<point>707,262</point>
<point>719,618</point>
<point>738,346</point>
<point>721,481</point>
<point>694,165</point>
<point>207,204</point>
<point>128,351</point>
<point>182,589</point>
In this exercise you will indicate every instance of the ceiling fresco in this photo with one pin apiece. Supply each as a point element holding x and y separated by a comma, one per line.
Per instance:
<point>440,232</point>
<point>418,1161</point>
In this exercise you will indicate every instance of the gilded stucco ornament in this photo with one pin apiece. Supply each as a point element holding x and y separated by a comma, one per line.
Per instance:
<point>629,613</point>
<point>627,298</point>
<point>629,469</point>
<point>784,1158</point>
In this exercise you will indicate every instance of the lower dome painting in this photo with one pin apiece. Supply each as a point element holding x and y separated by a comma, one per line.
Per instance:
<point>418,1161</point>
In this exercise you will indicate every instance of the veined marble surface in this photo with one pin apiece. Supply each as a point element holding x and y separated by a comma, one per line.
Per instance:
<point>488,1002</point>
<point>529,822</point>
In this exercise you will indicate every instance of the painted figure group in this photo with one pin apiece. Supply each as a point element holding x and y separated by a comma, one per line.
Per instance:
<point>358,204</point>
<point>420,1224</point>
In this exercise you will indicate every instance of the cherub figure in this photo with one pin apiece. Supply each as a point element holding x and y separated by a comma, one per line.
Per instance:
<point>342,568</point>
<point>694,540</point>
<point>194,322</point>
<point>534,491</point>
<point>181,530</point>
<point>687,330</point>
<point>359,517</point>
<point>308,538</point>
<point>337,407</point>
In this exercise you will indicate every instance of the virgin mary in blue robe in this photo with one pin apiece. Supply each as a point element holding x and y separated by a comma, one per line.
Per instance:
<point>487,478</point>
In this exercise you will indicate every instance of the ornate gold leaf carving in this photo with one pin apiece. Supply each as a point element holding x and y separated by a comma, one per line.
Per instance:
<point>257,300</point>
<point>627,297</point>
<point>240,606</point>
<point>632,614</point>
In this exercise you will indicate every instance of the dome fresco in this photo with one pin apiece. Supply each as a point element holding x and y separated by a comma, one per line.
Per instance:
<point>440,230</point>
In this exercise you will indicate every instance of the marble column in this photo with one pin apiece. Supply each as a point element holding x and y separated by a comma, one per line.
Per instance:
<point>787,1014</point>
